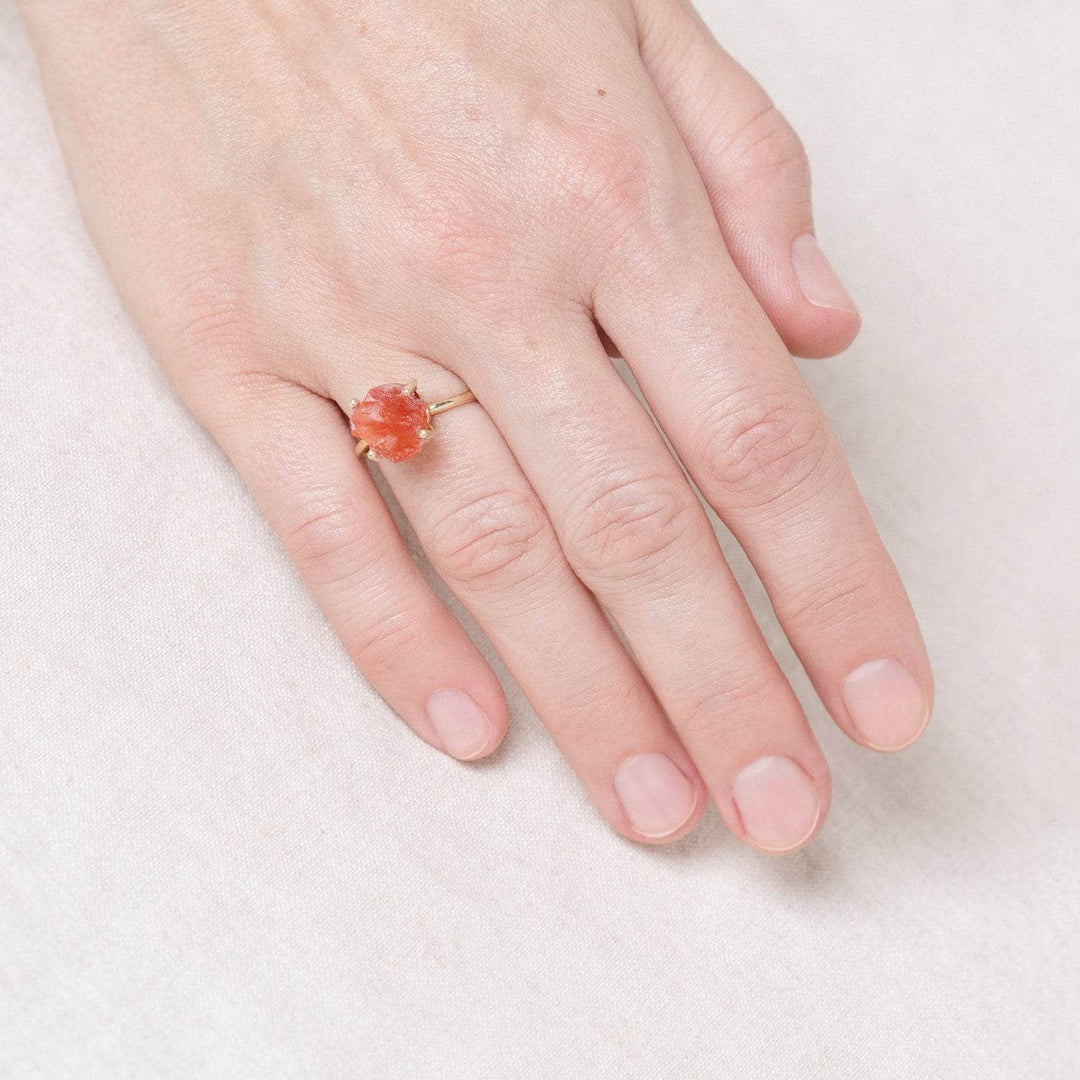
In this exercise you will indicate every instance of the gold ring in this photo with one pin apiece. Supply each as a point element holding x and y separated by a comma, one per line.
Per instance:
<point>393,422</point>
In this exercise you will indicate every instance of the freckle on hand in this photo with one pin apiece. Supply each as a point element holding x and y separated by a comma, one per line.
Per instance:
<point>602,93</point>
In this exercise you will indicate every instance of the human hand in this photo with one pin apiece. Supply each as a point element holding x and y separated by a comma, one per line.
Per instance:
<point>301,199</point>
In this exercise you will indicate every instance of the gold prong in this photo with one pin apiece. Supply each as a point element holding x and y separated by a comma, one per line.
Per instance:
<point>361,448</point>
<point>372,456</point>
<point>353,404</point>
<point>410,388</point>
<point>425,433</point>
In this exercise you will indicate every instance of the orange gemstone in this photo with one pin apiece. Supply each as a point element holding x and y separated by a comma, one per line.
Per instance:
<point>390,421</point>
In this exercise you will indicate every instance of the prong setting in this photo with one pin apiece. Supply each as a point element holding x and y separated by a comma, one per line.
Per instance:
<point>394,422</point>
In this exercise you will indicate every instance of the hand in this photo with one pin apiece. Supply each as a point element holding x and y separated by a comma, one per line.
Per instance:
<point>303,199</point>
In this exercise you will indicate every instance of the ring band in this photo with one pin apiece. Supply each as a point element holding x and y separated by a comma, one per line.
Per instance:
<point>463,398</point>
<point>393,422</point>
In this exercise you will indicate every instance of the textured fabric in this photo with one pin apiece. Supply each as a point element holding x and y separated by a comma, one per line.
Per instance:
<point>221,856</point>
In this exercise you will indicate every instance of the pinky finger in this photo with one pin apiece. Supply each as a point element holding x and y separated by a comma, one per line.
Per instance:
<point>293,450</point>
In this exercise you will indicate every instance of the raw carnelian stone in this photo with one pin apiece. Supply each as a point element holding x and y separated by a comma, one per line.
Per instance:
<point>390,421</point>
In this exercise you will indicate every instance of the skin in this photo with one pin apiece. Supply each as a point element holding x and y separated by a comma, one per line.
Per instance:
<point>300,199</point>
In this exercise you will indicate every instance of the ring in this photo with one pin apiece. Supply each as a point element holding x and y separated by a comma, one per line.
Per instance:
<point>393,422</point>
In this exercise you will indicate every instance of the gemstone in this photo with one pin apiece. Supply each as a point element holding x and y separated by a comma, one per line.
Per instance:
<point>390,421</point>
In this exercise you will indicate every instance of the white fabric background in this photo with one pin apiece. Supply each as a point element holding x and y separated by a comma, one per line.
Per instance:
<point>222,857</point>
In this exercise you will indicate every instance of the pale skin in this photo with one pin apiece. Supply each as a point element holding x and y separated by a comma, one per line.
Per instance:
<point>301,199</point>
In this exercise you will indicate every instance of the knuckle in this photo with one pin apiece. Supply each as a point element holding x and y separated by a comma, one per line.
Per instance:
<point>732,708</point>
<point>759,448</point>
<point>211,321</point>
<point>466,232</point>
<point>325,540</point>
<point>627,524</point>
<point>764,145</point>
<point>380,639</point>
<point>605,173</point>
<point>213,346</point>
<point>495,540</point>
<point>449,237</point>
<point>470,228</point>
<point>620,200</point>
<point>846,593</point>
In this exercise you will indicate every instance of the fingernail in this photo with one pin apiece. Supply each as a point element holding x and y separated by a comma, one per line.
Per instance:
<point>817,278</point>
<point>657,797</point>
<point>777,802</point>
<point>459,723</point>
<point>885,704</point>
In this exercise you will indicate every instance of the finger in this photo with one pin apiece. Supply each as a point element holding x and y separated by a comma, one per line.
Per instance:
<point>294,451</point>
<point>756,175</point>
<point>754,440</point>
<point>490,540</point>
<point>635,534</point>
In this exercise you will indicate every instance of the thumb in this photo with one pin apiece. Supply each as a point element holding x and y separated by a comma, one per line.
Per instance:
<point>756,174</point>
